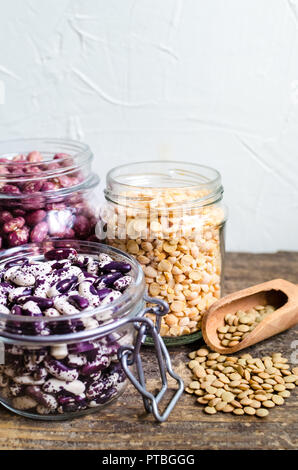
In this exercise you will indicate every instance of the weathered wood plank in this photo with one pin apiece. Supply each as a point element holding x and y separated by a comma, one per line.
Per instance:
<point>124,425</point>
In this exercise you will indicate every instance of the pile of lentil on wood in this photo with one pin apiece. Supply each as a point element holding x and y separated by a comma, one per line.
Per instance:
<point>240,385</point>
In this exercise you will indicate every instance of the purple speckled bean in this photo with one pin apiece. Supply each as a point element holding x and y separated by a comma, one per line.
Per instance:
<point>122,283</point>
<point>40,374</point>
<point>6,287</point>
<point>16,389</point>
<point>100,363</point>
<point>31,309</point>
<point>49,186</point>
<point>82,347</point>
<point>58,386</point>
<point>85,276</point>
<point>66,284</point>
<point>61,253</point>
<point>64,263</point>
<point>66,400</point>
<point>106,395</point>
<point>19,292</point>
<point>111,297</point>
<point>40,301</point>
<point>102,293</point>
<point>16,310</point>
<point>60,370</point>
<point>116,266</point>
<point>94,389</point>
<point>76,360</point>
<point>41,287</point>
<point>78,301</point>
<point>42,398</point>
<point>107,280</point>
<point>30,364</point>
<point>17,262</point>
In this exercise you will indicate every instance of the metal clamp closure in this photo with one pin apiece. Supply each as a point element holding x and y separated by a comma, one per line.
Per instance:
<point>130,355</point>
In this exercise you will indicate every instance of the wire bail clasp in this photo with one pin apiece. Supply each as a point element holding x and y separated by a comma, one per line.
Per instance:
<point>130,355</point>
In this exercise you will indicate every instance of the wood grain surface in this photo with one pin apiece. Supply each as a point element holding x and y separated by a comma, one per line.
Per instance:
<point>124,425</point>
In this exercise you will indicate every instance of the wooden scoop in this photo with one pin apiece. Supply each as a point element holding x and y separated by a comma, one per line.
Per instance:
<point>283,295</point>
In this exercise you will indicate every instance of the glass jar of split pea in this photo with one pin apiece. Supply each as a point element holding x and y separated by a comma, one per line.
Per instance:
<point>170,216</point>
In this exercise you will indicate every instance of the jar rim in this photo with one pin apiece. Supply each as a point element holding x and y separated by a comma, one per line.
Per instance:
<point>70,144</point>
<point>176,175</point>
<point>88,183</point>
<point>122,306</point>
<point>75,156</point>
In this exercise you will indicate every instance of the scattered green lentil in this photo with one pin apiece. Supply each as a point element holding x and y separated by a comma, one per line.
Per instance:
<point>240,385</point>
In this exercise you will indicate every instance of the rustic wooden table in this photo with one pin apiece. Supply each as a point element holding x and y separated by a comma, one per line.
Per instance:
<point>124,425</point>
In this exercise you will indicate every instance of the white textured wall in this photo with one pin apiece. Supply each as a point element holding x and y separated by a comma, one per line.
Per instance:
<point>210,81</point>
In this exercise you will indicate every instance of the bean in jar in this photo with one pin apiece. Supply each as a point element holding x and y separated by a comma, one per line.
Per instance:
<point>45,193</point>
<point>72,322</point>
<point>169,215</point>
<point>61,378</point>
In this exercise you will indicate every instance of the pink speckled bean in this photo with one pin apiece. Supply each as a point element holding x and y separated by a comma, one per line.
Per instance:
<point>18,213</point>
<point>33,170</point>
<point>52,166</point>
<point>10,189</point>
<point>39,232</point>
<point>19,158</point>
<point>66,160</point>
<point>14,224</point>
<point>35,217</point>
<point>5,216</point>
<point>32,187</point>
<point>81,226</point>
<point>67,233</point>
<point>49,186</point>
<point>34,157</point>
<point>56,206</point>
<point>18,237</point>
<point>58,156</point>
<point>65,181</point>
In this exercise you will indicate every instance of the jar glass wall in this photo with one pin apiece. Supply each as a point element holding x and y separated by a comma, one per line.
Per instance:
<point>170,216</point>
<point>47,189</point>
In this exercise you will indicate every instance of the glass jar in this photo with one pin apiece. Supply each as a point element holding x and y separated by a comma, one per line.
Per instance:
<point>61,367</point>
<point>48,192</point>
<point>170,216</point>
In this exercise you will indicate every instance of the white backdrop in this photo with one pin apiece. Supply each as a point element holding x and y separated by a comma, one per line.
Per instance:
<point>209,81</point>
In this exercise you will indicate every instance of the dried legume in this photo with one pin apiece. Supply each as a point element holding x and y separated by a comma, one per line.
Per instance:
<point>36,202</point>
<point>180,252</point>
<point>238,385</point>
<point>67,377</point>
<point>243,323</point>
